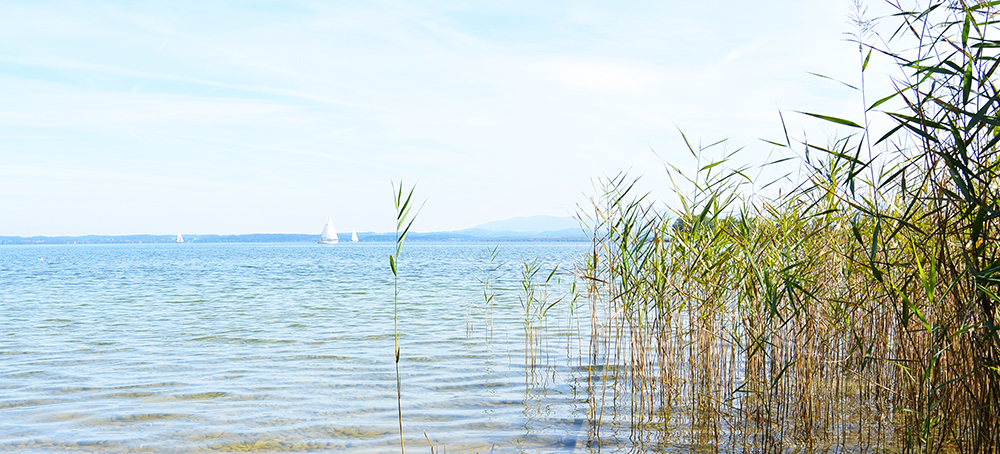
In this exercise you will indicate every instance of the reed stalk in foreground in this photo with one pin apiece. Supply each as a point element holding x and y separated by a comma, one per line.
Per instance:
<point>403,218</point>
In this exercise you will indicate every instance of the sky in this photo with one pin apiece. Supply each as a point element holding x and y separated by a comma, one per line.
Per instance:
<point>228,117</point>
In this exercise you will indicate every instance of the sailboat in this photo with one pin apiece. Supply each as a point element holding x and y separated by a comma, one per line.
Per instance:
<point>180,239</point>
<point>354,236</point>
<point>329,233</point>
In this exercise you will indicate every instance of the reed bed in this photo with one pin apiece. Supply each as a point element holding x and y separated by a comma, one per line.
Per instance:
<point>855,311</point>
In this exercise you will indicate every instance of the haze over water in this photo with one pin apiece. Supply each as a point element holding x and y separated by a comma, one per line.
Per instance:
<point>271,347</point>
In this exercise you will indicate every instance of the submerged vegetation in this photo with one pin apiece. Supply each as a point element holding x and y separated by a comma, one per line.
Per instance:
<point>855,311</point>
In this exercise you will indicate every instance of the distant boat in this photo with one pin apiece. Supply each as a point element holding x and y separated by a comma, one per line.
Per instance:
<point>329,233</point>
<point>354,236</point>
<point>180,239</point>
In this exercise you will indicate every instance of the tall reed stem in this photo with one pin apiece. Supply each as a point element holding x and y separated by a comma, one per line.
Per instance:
<point>403,218</point>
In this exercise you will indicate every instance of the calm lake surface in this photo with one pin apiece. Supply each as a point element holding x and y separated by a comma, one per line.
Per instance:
<point>286,347</point>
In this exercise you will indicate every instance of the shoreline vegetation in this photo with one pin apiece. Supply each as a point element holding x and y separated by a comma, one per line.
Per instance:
<point>855,312</point>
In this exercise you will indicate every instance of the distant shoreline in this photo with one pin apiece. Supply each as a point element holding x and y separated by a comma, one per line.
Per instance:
<point>366,237</point>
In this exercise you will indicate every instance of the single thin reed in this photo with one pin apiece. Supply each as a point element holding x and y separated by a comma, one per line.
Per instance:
<point>403,218</point>
<point>856,311</point>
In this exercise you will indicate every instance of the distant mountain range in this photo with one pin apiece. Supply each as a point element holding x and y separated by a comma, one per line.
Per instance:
<point>537,228</point>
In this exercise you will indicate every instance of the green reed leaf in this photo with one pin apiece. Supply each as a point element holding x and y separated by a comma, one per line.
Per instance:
<point>553,273</point>
<point>930,70</point>
<point>836,120</point>
<point>773,143</point>
<point>966,28</point>
<point>883,100</point>
<point>875,238</point>
<point>888,134</point>
<point>981,5</point>
<point>840,81</point>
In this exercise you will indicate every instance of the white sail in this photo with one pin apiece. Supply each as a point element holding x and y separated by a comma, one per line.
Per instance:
<point>354,236</point>
<point>329,233</point>
<point>180,239</point>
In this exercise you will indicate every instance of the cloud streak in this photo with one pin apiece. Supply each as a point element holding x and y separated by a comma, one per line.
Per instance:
<point>498,110</point>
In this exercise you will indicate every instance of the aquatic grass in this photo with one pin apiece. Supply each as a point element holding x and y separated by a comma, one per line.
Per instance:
<point>489,283</point>
<point>403,223</point>
<point>536,302</point>
<point>573,323</point>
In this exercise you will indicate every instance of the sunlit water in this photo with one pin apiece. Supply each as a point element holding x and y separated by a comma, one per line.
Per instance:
<point>285,347</point>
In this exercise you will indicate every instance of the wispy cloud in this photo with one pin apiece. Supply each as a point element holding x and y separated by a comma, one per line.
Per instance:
<point>498,109</point>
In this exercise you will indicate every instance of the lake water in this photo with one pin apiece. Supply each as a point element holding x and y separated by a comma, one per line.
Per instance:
<point>286,347</point>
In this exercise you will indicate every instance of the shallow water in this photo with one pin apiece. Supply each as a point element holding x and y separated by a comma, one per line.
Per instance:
<point>284,347</point>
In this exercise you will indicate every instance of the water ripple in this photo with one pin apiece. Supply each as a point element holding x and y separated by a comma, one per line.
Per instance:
<point>278,348</point>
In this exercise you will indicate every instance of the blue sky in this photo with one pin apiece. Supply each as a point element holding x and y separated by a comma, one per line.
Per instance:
<point>243,116</point>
